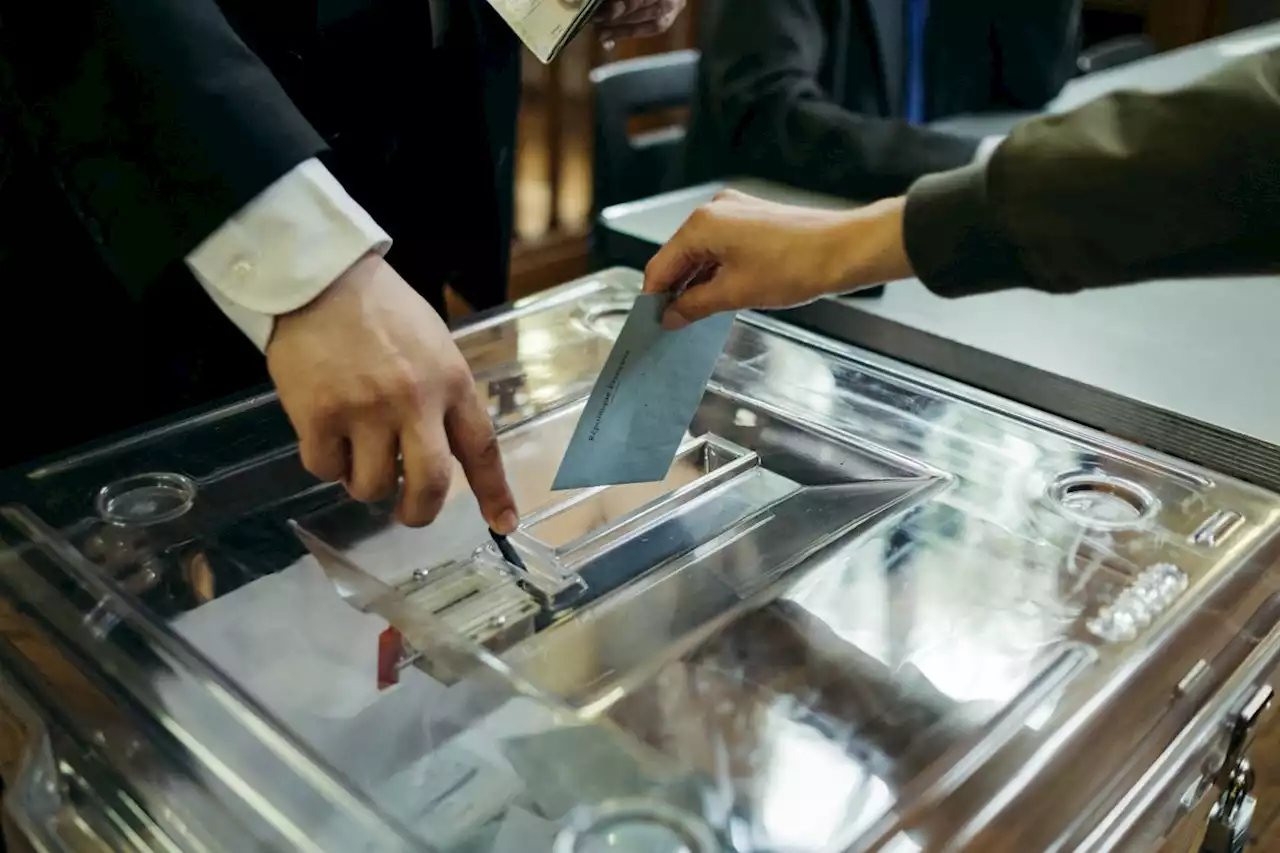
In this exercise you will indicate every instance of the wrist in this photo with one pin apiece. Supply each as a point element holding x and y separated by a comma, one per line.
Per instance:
<point>868,248</point>
<point>343,288</point>
<point>338,287</point>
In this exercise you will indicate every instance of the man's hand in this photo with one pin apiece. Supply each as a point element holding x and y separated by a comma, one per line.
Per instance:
<point>368,372</point>
<point>634,18</point>
<point>740,252</point>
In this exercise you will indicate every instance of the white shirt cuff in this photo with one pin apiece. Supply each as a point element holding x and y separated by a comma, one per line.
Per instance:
<point>284,248</point>
<point>987,147</point>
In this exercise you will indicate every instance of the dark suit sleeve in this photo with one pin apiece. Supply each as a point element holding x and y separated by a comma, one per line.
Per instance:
<point>1130,187</point>
<point>154,117</point>
<point>761,61</point>
<point>1036,47</point>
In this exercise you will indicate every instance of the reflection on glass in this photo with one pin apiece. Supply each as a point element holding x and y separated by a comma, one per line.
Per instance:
<point>539,360</point>
<point>812,800</point>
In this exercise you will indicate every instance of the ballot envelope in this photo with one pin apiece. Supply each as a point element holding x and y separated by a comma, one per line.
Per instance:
<point>867,608</point>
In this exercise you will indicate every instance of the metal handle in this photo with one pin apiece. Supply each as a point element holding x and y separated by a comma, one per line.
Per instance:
<point>1208,752</point>
<point>63,800</point>
<point>1232,815</point>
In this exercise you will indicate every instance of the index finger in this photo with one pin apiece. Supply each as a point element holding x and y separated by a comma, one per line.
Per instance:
<point>475,444</point>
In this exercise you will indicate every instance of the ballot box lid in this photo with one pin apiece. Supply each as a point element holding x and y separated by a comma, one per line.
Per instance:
<point>867,609</point>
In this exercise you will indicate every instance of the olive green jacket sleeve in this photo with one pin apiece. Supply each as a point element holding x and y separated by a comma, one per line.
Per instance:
<point>1132,186</point>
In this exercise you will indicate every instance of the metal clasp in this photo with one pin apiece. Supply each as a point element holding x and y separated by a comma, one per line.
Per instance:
<point>1232,814</point>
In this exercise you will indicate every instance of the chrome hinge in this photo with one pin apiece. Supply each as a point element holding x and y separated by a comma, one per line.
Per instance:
<point>1232,814</point>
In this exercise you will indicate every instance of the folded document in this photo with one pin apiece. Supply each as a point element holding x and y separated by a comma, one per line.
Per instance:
<point>546,26</point>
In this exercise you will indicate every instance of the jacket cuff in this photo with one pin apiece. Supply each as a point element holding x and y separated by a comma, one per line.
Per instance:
<point>953,236</point>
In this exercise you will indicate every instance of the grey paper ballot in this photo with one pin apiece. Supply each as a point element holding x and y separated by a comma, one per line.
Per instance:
<point>644,399</point>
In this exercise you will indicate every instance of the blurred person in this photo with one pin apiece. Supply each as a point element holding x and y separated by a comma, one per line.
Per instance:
<point>1131,187</point>
<point>835,96</point>
<point>163,157</point>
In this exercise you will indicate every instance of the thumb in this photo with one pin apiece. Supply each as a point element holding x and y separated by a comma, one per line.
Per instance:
<point>701,301</point>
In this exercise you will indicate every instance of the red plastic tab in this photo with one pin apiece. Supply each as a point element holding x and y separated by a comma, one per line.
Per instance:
<point>390,651</point>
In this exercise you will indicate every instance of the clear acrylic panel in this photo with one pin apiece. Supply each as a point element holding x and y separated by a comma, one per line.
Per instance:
<point>858,590</point>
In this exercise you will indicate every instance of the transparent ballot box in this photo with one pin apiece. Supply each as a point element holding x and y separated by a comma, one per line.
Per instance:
<point>867,609</point>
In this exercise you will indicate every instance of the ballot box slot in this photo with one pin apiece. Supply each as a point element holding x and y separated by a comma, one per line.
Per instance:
<point>616,512</point>
<point>707,574</point>
<point>712,485</point>
<point>646,541</point>
<point>721,528</point>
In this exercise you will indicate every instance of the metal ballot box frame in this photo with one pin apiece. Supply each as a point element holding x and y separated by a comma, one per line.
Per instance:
<point>869,608</point>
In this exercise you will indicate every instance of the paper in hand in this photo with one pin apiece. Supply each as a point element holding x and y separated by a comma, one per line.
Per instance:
<point>644,399</point>
<point>546,26</point>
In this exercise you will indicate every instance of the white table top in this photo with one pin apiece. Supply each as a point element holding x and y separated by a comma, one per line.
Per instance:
<point>1171,70</point>
<point>1202,348</point>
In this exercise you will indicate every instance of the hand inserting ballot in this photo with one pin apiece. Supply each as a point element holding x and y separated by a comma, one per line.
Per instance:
<point>636,18</point>
<point>368,372</point>
<point>740,252</point>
